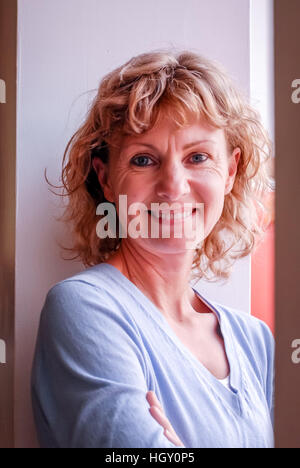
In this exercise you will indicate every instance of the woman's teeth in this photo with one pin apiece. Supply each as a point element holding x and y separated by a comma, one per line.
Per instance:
<point>168,216</point>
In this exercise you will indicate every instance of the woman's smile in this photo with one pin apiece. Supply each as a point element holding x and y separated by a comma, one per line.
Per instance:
<point>172,217</point>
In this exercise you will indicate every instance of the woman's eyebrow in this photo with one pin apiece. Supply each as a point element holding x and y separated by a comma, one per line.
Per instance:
<point>148,145</point>
<point>193,143</point>
<point>188,145</point>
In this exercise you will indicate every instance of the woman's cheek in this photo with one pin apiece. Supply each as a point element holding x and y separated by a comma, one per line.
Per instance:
<point>210,186</point>
<point>212,195</point>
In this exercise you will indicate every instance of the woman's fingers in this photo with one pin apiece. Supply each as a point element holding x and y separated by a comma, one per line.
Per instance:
<point>158,414</point>
<point>173,438</point>
<point>164,422</point>
<point>153,400</point>
<point>160,418</point>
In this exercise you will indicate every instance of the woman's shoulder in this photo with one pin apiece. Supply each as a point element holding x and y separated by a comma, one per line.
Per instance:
<point>96,276</point>
<point>88,294</point>
<point>241,317</point>
<point>88,307</point>
<point>247,328</point>
<point>95,279</point>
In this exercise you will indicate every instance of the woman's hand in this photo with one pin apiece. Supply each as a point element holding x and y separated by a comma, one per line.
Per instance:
<point>157,412</point>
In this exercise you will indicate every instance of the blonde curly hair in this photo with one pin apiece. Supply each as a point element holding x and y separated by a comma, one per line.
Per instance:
<point>129,101</point>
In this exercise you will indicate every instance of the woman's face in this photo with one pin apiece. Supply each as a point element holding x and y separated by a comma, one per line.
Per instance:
<point>171,165</point>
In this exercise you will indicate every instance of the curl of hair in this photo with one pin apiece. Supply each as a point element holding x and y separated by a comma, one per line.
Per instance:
<point>129,101</point>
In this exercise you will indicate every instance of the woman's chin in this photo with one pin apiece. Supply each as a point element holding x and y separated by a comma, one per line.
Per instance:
<point>167,246</point>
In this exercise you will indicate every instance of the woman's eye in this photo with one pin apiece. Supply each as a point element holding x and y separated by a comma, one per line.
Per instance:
<point>141,160</point>
<point>199,157</point>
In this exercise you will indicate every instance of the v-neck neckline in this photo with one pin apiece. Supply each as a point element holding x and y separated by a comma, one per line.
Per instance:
<point>235,375</point>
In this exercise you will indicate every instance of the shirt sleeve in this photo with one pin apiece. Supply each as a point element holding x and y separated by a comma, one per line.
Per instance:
<point>88,378</point>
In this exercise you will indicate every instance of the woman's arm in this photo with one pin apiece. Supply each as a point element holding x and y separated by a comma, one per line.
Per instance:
<point>89,378</point>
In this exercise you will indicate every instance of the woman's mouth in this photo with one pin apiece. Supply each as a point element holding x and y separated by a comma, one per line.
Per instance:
<point>171,216</point>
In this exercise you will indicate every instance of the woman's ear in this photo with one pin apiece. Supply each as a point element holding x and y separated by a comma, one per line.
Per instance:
<point>101,170</point>
<point>232,169</point>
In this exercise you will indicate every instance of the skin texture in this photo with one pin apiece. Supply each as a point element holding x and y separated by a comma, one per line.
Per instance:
<point>169,164</point>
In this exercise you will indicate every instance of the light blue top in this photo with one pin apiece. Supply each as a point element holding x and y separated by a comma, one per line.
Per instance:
<point>102,344</point>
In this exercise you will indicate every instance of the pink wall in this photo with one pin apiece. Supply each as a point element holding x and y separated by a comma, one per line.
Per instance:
<point>263,280</point>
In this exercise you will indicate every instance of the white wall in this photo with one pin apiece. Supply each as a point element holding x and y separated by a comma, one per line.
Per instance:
<point>262,60</point>
<point>64,48</point>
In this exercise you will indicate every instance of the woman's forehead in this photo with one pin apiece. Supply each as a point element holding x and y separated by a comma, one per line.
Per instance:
<point>166,130</point>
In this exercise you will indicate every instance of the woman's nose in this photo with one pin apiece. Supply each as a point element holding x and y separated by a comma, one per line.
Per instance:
<point>172,184</point>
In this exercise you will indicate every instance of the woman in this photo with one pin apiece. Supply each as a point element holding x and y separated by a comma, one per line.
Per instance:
<point>128,353</point>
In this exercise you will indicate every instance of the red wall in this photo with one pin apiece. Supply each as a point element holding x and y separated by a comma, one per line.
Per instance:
<point>263,276</point>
